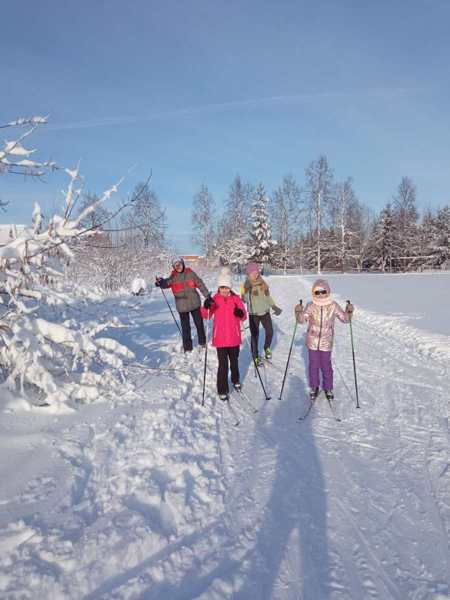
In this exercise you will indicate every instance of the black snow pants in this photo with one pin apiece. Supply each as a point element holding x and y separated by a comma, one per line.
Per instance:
<point>227,356</point>
<point>266,321</point>
<point>186,329</point>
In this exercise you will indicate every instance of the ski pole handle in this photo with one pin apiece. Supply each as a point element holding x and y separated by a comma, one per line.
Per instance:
<point>300,303</point>
<point>350,314</point>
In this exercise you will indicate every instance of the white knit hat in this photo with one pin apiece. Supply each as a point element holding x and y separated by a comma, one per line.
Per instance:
<point>224,278</point>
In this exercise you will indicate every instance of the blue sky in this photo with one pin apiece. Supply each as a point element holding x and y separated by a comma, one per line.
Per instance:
<point>198,91</point>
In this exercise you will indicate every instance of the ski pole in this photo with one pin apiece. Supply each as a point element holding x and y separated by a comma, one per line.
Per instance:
<point>254,347</point>
<point>260,379</point>
<point>353,355</point>
<point>289,355</point>
<point>253,343</point>
<point>171,311</point>
<point>206,358</point>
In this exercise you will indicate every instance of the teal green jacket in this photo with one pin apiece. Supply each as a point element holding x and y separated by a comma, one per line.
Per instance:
<point>257,304</point>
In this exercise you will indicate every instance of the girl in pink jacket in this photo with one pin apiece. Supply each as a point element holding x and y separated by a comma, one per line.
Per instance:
<point>227,310</point>
<point>320,315</point>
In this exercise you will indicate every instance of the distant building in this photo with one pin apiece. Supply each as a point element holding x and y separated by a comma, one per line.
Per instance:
<point>9,233</point>
<point>195,258</point>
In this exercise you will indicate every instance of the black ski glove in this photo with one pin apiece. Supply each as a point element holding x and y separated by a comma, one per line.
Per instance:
<point>158,281</point>
<point>238,312</point>
<point>208,303</point>
<point>276,310</point>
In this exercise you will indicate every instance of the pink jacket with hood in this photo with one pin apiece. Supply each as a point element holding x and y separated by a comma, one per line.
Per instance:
<point>320,315</point>
<point>226,326</point>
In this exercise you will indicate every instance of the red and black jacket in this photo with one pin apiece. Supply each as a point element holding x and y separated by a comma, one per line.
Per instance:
<point>184,287</point>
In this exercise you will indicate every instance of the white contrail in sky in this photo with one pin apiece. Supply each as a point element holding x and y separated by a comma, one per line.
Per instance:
<point>382,93</point>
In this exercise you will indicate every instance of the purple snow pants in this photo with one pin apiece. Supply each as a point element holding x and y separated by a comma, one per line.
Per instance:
<point>320,360</point>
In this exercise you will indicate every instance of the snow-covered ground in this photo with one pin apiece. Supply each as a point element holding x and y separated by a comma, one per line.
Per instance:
<point>149,495</point>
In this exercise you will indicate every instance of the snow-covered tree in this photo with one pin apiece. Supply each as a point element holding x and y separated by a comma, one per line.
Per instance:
<point>33,348</point>
<point>111,258</point>
<point>96,217</point>
<point>203,220</point>
<point>437,238</point>
<point>382,242</point>
<point>406,216</point>
<point>361,226</point>
<point>146,221</point>
<point>236,217</point>
<point>344,210</point>
<point>232,252</point>
<point>285,217</point>
<point>319,178</point>
<point>232,238</point>
<point>48,359</point>
<point>261,242</point>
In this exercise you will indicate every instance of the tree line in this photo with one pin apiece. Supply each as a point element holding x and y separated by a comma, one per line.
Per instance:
<point>320,225</point>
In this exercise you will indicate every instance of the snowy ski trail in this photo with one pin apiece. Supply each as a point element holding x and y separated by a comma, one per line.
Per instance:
<point>150,496</point>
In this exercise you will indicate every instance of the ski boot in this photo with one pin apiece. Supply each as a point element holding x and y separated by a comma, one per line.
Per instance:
<point>237,387</point>
<point>329,394</point>
<point>223,397</point>
<point>313,393</point>
<point>268,353</point>
<point>258,361</point>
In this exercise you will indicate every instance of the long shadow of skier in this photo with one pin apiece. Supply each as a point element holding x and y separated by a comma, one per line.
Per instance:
<point>290,554</point>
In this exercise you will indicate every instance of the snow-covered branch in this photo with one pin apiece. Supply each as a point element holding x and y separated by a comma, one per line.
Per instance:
<point>15,158</point>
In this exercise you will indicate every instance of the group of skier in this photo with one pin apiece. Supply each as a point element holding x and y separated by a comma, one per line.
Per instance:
<point>228,310</point>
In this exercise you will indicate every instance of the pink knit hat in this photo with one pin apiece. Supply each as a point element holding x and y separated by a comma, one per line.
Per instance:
<point>252,268</point>
<point>321,284</point>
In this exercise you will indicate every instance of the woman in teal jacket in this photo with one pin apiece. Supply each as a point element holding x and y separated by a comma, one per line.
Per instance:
<point>256,295</point>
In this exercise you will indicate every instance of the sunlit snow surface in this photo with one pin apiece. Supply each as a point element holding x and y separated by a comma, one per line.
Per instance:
<point>148,495</point>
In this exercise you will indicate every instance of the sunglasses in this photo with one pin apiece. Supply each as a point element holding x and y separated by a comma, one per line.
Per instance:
<point>320,293</point>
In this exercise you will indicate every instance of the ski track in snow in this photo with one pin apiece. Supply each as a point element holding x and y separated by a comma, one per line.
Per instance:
<point>151,496</point>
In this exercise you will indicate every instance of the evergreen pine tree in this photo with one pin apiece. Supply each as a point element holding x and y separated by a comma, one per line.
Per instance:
<point>383,240</point>
<point>262,245</point>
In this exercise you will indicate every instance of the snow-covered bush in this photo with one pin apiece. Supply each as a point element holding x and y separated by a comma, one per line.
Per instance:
<point>54,361</point>
<point>232,252</point>
<point>110,268</point>
<point>138,286</point>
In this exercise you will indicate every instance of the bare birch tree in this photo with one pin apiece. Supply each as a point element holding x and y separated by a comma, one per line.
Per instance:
<point>146,221</point>
<point>285,215</point>
<point>203,220</point>
<point>319,179</point>
<point>406,217</point>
